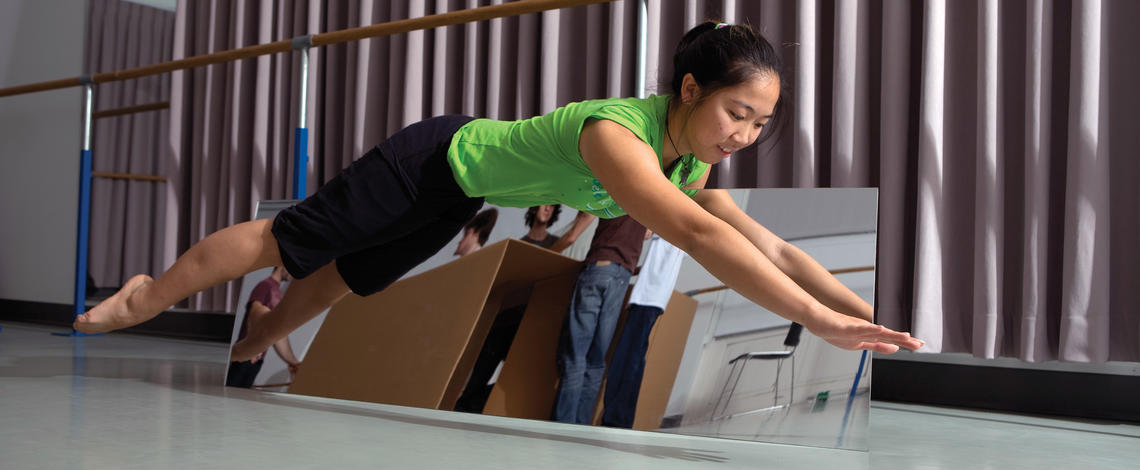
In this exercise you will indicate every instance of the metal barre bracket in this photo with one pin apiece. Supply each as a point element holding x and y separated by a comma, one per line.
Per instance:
<point>302,42</point>
<point>86,80</point>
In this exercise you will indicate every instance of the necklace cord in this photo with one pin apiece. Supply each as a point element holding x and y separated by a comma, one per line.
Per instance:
<point>685,169</point>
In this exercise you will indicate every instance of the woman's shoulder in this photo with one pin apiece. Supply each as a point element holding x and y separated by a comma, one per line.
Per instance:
<point>645,117</point>
<point>652,105</point>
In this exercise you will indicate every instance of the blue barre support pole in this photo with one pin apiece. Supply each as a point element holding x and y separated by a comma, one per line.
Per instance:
<point>851,399</point>
<point>84,231</point>
<point>300,161</point>
<point>859,374</point>
<point>84,222</point>
<point>301,135</point>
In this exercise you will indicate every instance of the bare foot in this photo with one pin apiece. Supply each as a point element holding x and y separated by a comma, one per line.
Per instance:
<point>113,313</point>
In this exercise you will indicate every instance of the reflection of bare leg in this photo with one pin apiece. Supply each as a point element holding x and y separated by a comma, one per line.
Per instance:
<point>305,299</point>
<point>224,255</point>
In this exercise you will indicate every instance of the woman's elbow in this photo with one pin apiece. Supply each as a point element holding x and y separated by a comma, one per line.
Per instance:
<point>693,237</point>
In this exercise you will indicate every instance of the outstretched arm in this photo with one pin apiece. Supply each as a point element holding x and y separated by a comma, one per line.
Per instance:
<point>791,260</point>
<point>629,171</point>
<point>581,221</point>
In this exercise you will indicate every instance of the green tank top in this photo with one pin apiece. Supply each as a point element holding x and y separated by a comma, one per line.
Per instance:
<point>536,161</point>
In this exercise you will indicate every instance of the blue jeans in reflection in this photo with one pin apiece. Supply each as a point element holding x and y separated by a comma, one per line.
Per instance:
<point>627,366</point>
<point>586,335</point>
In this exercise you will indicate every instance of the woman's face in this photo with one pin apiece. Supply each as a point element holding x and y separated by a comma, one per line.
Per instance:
<point>729,119</point>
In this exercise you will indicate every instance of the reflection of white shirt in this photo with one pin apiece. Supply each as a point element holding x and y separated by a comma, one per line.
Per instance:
<point>658,274</point>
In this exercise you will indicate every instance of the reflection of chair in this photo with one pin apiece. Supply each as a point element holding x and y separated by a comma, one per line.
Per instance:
<point>738,364</point>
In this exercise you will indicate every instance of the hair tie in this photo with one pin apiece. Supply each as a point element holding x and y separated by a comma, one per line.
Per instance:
<point>721,25</point>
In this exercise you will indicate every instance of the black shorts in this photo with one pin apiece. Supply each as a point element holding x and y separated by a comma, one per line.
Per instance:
<point>385,214</point>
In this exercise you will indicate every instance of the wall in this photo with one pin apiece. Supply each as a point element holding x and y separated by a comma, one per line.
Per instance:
<point>40,136</point>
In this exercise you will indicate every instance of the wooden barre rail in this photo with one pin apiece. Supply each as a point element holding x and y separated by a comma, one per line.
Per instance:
<point>723,287</point>
<point>128,176</point>
<point>322,39</point>
<point>131,110</point>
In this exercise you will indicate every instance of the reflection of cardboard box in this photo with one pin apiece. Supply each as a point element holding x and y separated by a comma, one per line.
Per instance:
<point>415,343</point>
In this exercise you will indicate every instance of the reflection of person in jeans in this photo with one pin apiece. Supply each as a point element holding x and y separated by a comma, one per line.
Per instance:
<point>650,295</point>
<point>264,298</point>
<point>594,310</point>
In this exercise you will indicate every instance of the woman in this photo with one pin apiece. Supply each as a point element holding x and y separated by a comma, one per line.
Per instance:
<point>402,201</point>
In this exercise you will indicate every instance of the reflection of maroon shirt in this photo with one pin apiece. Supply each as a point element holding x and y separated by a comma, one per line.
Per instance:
<point>545,242</point>
<point>617,240</point>
<point>268,292</point>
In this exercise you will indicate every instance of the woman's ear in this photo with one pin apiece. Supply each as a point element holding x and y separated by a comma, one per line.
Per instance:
<point>690,89</point>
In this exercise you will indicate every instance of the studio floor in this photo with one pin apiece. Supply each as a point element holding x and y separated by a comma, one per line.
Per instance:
<point>122,401</point>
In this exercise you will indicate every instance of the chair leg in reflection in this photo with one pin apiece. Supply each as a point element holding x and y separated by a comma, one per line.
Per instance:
<point>738,365</point>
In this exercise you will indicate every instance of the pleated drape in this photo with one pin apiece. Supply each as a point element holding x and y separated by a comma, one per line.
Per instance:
<point>127,215</point>
<point>1085,265</point>
<point>1023,194</point>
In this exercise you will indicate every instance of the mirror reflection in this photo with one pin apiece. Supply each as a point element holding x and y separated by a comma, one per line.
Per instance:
<point>505,321</point>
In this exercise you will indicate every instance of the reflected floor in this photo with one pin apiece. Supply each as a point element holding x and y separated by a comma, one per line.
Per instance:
<point>834,423</point>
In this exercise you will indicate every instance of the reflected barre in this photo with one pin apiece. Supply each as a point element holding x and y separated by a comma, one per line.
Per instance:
<point>696,292</point>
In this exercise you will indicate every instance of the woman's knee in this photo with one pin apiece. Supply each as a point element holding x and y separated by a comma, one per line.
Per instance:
<point>256,236</point>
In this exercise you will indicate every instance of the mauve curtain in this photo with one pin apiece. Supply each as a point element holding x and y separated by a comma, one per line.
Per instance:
<point>1021,180</point>
<point>127,216</point>
<point>997,133</point>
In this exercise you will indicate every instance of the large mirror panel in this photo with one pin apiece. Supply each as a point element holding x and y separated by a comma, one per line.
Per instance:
<point>482,327</point>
